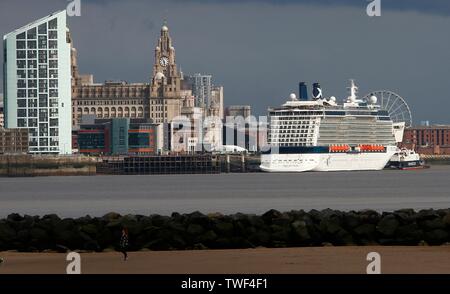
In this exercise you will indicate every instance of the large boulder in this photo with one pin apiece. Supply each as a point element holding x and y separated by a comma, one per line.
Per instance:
<point>426,214</point>
<point>195,229</point>
<point>90,229</point>
<point>224,229</point>
<point>369,216</point>
<point>271,215</point>
<point>207,238</point>
<point>260,238</point>
<point>388,225</point>
<point>446,220</point>
<point>351,220</point>
<point>159,220</point>
<point>432,224</point>
<point>280,233</point>
<point>409,234</point>
<point>40,239</point>
<point>365,231</point>
<point>300,231</point>
<point>111,216</point>
<point>405,216</point>
<point>14,217</point>
<point>436,237</point>
<point>7,233</point>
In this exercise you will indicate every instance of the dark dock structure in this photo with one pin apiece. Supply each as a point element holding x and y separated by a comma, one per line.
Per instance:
<point>165,164</point>
<point>177,164</point>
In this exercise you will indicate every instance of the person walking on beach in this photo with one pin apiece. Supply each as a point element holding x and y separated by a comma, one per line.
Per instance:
<point>124,243</point>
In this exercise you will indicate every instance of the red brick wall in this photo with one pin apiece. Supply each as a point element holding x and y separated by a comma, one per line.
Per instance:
<point>428,140</point>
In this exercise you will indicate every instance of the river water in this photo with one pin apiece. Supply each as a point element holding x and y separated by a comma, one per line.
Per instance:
<point>226,193</point>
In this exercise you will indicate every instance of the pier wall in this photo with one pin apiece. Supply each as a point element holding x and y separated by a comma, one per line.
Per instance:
<point>216,231</point>
<point>46,165</point>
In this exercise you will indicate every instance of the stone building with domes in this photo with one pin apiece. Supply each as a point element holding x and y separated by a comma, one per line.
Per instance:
<point>160,100</point>
<point>164,98</point>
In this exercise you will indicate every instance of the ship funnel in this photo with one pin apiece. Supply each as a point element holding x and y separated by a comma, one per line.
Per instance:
<point>302,91</point>
<point>317,91</point>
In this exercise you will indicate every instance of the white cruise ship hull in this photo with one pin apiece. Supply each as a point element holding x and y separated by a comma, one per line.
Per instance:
<point>326,161</point>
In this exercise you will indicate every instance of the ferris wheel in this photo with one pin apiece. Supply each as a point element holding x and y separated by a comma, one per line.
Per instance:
<point>395,105</point>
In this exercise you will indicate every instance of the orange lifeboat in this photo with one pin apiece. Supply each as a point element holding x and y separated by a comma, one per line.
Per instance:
<point>371,148</point>
<point>339,148</point>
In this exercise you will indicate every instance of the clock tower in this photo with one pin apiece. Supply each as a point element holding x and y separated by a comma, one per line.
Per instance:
<point>166,78</point>
<point>165,96</point>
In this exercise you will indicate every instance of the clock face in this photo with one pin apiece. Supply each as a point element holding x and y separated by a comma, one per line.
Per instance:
<point>164,61</point>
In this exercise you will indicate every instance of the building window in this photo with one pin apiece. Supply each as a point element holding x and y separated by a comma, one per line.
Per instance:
<point>21,84</point>
<point>20,44</point>
<point>32,122</point>
<point>21,63</point>
<point>32,93</point>
<point>42,42</point>
<point>52,35</point>
<point>42,56</point>
<point>32,64</point>
<point>21,103</point>
<point>53,92</point>
<point>53,24</point>
<point>32,54</point>
<point>32,45</point>
<point>43,141</point>
<point>32,112</point>
<point>53,44</point>
<point>53,122</point>
<point>21,113</point>
<point>53,83</point>
<point>43,100</point>
<point>42,29</point>
<point>32,83</point>
<point>53,54</point>
<point>21,93</point>
<point>21,74</point>
<point>53,64</point>
<point>21,54</point>
<point>43,117</point>
<point>32,74</point>
<point>31,34</point>
<point>32,103</point>
<point>43,86</point>
<point>21,123</point>
<point>53,112</point>
<point>53,102</point>
<point>43,71</point>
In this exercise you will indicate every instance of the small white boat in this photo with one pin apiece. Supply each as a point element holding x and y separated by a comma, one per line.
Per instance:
<point>406,159</point>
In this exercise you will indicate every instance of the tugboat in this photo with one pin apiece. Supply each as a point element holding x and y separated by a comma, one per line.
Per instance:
<point>405,159</point>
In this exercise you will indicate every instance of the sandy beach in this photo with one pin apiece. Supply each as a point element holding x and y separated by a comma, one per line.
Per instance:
<point>315,260</point>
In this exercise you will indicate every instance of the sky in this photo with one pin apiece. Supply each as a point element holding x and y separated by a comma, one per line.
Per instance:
<point>260,50</point>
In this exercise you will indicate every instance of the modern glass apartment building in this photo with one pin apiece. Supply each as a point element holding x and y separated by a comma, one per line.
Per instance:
<point>37,83</point>
<point>201,89</point>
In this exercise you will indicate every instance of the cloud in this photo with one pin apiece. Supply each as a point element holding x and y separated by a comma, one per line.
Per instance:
<point>260,50</point>
<point>440,7</point>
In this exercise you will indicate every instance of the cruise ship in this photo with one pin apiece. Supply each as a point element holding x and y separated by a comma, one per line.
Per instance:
<point>320,135</point>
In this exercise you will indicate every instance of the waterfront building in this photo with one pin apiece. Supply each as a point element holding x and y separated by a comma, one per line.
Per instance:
<point>160,100</point>
<point>167,96</point>
<point>118,136</point>
<point>217,99</point>
<point>13,141</point>
<point>428,139</point>
<point>37,83</point>
<point>201,89</point>
<point>239,111</point>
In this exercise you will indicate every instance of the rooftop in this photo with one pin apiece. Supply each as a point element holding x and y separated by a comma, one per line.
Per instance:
<point>34,23</point>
